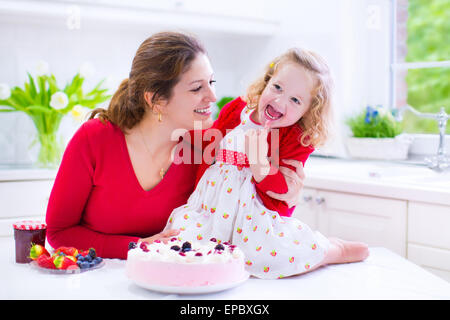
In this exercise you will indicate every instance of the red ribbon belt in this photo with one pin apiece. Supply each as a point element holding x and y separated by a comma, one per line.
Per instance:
<point>232,157</point>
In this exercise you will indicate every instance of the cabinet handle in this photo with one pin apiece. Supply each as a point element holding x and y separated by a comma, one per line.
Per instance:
<point>320,200</point>
<point>307,198</point>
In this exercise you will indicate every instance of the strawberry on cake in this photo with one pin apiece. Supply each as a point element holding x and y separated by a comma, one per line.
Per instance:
<point>185,264</point>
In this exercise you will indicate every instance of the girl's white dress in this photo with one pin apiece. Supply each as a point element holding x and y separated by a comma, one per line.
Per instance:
<point>225,206</point>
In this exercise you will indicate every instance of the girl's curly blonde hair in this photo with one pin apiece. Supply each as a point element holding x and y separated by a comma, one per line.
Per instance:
<point>315,122</point>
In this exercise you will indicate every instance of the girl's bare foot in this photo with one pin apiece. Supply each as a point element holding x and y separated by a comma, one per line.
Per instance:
<point>342,251</point>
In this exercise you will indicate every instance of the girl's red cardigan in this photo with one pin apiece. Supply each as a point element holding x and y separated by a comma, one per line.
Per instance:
<point>289,147</point>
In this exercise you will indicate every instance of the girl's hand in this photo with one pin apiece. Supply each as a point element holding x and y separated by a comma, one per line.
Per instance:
<point>256,149</point>
<point>162,236</point>
<point>294,181</point>
<point>256,146</point>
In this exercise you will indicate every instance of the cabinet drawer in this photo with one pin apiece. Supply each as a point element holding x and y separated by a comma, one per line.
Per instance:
<point>435,260</point>
<point>24,198</point>
<point>306,210</point>
<point>362,204</point>
<point>375,221</point>
<point>429,224</point>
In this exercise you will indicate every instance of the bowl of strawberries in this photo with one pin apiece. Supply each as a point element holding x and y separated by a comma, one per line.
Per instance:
<point>64,259</point>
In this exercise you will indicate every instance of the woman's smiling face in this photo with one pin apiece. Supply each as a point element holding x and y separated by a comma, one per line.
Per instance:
<point>286,97</point>
<point>192,96</point>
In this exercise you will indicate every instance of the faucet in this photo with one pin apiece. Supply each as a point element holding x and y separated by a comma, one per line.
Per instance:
<point>439,162</point>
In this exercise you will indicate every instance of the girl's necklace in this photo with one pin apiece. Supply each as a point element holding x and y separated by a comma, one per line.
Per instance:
<point>162,172</point>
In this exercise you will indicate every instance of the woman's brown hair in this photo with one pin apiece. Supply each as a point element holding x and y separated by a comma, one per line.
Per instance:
<point>157,66</point>
<point>316,121</point>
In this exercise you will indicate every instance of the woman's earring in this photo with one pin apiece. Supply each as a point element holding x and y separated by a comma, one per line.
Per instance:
<point>159,117</point>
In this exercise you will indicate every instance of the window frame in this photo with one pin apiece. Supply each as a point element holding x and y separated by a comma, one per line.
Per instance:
<point>397,66</point>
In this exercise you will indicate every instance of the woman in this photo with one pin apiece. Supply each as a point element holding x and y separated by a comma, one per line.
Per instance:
<point>117,182</point>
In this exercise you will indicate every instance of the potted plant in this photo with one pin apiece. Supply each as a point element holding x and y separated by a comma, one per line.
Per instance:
<point>46,104</point>
<point>377,135</point>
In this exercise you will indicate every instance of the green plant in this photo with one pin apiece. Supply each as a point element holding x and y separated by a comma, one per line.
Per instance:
<point>374,122</point>
<point>223,101</point>
<point>46,104</point>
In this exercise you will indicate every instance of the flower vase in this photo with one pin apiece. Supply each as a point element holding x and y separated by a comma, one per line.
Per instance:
<point>46,104</point>
<point>50,151</point>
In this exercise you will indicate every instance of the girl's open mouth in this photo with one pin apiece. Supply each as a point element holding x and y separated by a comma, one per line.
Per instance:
<point>271,113</point>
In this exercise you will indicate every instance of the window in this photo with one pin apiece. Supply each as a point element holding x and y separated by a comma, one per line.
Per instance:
<point>421,60</point>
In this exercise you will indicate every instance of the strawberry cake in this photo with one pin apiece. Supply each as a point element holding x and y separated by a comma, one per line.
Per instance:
<point>185,264</point>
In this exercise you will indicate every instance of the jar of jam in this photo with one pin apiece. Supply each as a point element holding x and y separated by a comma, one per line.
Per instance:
<point>25,233</point>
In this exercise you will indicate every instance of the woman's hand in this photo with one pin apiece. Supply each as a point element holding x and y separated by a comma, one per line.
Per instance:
<point>162,236</point>
<point>294,181</point>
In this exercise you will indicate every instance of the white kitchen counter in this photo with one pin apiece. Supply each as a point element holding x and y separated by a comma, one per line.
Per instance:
<point>373,178</point>
<point>25,174</point>
<point>382,179</point>
<point>384,275</point>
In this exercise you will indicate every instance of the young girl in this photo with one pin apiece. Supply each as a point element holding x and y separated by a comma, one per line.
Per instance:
<point>230,203</point>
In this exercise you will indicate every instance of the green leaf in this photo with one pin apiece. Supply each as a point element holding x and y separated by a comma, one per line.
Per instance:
<point>3,109</point>
<point>33,91</point>
<point>52,85</point>
<point>74,85</point>
<point>42,83</point>
<point>223,101</point>
<point>378,126</point>
<point>38,109</point>
<point>10,103</point>
<point>20,97</point>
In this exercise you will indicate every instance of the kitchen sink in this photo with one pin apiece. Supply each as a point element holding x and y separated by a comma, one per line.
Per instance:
<point>379,172</point>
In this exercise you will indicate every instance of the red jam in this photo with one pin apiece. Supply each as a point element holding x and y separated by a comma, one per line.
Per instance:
<point>26,233</point>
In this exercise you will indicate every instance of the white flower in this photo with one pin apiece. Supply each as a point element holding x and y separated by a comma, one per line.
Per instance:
<point>59,100</point>
<point>42,68</point>
<point>78,112</point>
<point>5,91</point>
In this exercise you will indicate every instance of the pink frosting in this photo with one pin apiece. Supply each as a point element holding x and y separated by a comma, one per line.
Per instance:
<point>185,274</point>
<point>196,265</point>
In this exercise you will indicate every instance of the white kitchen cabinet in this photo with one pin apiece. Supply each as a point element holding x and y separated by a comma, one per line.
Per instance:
<point>373,220</point>
<point>429,237</point>
<point>306,210</point>
<point>23,196</point>
<point>252,18</point>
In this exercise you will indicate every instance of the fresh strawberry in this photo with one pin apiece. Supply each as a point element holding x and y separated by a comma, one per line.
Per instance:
<point>72,258</point>
<point>68,251</point>
<point>65,262</point>
<point>45,261</point>
<point>37,250</point>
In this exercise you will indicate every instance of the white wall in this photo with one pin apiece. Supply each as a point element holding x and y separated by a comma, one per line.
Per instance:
<point>357,51</point>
